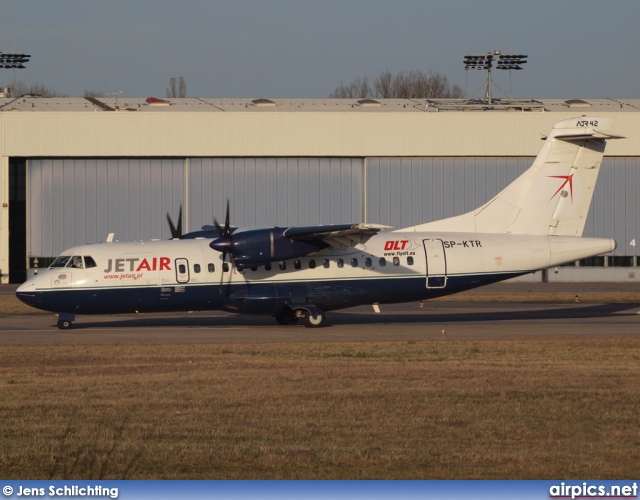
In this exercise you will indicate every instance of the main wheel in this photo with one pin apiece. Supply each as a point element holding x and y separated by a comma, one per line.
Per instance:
<point>311,322</point>
<point>64,324</point>
<point>287,317</point>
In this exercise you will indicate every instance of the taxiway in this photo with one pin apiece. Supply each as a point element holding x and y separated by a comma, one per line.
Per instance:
<point>458,320</point>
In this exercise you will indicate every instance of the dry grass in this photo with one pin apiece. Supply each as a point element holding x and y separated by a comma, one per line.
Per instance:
<point>420,409</point>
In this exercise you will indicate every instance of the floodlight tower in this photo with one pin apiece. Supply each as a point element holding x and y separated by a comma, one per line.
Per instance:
<point>13,60</point>
<point>485,61</point>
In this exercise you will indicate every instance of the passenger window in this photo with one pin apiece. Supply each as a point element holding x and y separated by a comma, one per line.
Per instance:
<point>267,266</point>
<point>368,262</point>
<point>382,262</point>
<point>312,264</point>
<point>326,263</point>
<point>410,261</point>
<point>282,265</point>
<point>196,268</point>
<point>297,264</point>
<point>396,261</point>
<point>340,263</point>
<point>89,262</point>
<point>211,267</point>
<point>354,262</point>
<point>182,269</point>
<point>225,267</point>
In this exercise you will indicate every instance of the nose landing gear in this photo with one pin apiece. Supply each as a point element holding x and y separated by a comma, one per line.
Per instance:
<point>64,325</point>
<point>65,321</point>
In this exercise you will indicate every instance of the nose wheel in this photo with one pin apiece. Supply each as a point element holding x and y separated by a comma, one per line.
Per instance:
<point>64,324</point>
<point>65,320</point>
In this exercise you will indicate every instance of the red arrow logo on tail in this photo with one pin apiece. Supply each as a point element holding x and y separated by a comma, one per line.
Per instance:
<point>568,179</point>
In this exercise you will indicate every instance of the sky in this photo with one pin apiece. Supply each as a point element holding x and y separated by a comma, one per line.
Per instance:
<point>306,48</point>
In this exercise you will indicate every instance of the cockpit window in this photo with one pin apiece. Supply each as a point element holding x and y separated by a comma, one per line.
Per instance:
<point>75,262</point>
<point>61,261</point>
<point>89,262</point>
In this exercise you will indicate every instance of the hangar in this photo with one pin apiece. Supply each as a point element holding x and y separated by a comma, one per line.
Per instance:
<point>73,170</point>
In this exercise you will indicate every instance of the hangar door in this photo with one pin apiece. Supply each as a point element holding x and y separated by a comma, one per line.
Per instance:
<point>276,191</point>
<point>405,192</point>
<point>77,201</point>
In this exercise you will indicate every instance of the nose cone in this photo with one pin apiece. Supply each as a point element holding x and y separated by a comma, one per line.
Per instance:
<point>26,286</point>
<point>26,292</point>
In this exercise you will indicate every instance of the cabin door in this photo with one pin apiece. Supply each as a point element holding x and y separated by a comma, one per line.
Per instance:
<point>436,263</point>
<point>182,271</point>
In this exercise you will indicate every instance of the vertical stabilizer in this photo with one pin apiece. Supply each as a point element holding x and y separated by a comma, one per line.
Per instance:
<point>553,196</point>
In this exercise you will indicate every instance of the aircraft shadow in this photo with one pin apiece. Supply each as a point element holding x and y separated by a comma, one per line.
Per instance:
<point>513,314</point>
<point>362,316</point>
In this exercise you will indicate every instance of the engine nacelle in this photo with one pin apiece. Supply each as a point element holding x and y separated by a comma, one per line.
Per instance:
<point>256,247</point>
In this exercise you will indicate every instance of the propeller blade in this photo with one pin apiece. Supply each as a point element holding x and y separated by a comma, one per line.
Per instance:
<point>176,231</point>
<point>224,256</point>
<point>227,226</point>
<point>224,244</point>
<point>218,227</point>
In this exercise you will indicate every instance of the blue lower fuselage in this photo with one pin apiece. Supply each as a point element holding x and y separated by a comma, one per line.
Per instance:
<point>254,298</point>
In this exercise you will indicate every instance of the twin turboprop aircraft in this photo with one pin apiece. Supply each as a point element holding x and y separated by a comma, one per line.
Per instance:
<point>294,273</point>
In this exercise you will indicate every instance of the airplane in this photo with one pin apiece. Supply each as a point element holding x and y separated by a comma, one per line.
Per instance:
<point>301,273</point>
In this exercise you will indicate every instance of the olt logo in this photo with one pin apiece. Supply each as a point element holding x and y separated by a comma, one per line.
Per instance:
<point>396,244</point>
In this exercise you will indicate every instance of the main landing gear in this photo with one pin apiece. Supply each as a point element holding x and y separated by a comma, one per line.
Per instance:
<point>311,321</point>
<point>64,325</point>
<point>312,317</point>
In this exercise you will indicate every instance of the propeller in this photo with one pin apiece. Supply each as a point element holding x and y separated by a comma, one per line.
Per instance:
<point>176,231</point>
<point>224,243</point>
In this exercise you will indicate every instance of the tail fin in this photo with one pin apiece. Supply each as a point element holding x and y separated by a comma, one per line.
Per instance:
<point>553,196</point>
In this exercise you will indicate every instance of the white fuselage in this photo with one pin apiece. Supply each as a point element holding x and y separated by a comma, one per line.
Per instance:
<point>392,266</point>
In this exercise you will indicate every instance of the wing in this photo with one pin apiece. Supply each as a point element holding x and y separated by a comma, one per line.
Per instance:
<point>340,236</point>
<point>250,247</point>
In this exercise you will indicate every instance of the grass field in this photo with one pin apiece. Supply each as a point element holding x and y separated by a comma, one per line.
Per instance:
<point>543,408</point>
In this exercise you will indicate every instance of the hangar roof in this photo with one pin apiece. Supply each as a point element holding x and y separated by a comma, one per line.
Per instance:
<point>212,105</point>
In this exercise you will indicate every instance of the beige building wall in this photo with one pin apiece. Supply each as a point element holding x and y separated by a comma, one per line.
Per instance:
<point>289,133</point>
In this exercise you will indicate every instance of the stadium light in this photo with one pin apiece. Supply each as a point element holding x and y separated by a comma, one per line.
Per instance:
<point>486,61</point>
<point>13,60</point>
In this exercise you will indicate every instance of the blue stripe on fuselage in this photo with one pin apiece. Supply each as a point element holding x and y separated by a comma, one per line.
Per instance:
<point>257,298</point>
